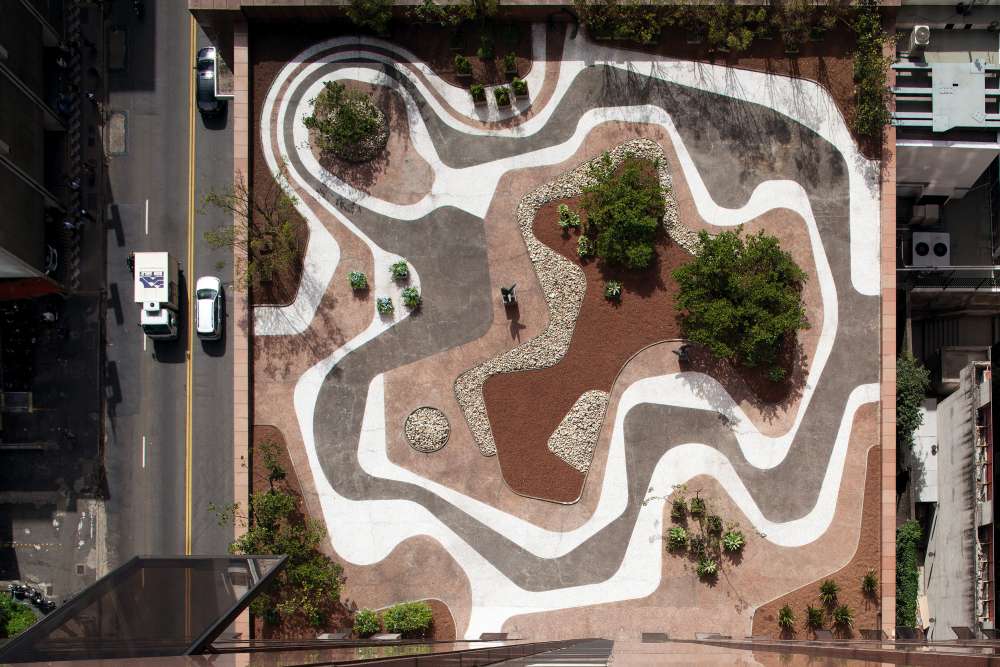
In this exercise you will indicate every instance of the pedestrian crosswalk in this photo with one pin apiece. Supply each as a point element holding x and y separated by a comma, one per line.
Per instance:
<point>592,653</point>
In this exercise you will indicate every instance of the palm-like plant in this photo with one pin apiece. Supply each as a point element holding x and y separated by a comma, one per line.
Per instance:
<point>828,592</point>
<point>843,617</point>
<point>677,538</point>
<point>786,618</point>
<point>707,567</point>
<point>869,583</point>
<point>814,617</point>
<point>733,541</point>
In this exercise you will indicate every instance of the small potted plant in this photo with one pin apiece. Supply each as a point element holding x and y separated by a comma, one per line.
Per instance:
<point>384,306</point>
<point>502,95</point>
<point>478,93</point>
<point>585,247</point>
<point>400,270</point>
<point>412,298</point>
<point>520,87</point>
<point>463,68</point>
<point>358,280</point>
<point>510,64</point>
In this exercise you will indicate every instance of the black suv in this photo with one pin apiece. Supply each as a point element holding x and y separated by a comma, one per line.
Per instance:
<point>208,103</point>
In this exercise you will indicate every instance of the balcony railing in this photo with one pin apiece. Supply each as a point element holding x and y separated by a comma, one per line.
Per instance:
<point>965,278</point>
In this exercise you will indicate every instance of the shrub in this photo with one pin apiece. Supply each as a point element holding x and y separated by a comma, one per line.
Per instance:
<point>384,306</point>
<point>585,247</point>
<point>462,65</point>
<point>411,297</point>
<point>510,62</point>
<point>828,592</point>
<point>624,207</point>
<point>502,95</point>
<point>372,14</point>
<point>568,218</point>
<point>869,583</point>
<point>908,537</point>
<point>408,618</point>
<point>843,617</point>
<point>697,506</point>
<point>912,382</point>
<point>613,290</point>
<point>677,538</point>
<point>707,567</point>
<point>714,524</point>
<point>520,87</point>
<point>358,280</point>
<point>442,15</point>
<point>15,617</point>
<point>733,541</point>
<point>346,121</point>
<point>741,300</point>
<point>610,19</point>
<point>400,270</point>
<point>814,617</point>
<point>786,618</point>
<point>871,113</point>
<point>478,92</point>
<point>698,546</point>
<point>366,623</point>
<point>678,509</point>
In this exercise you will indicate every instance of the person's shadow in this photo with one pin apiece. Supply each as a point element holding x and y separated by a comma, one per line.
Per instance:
<point>514,316</point>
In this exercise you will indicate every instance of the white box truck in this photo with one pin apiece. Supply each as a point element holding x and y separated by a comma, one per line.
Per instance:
<point>157,290</point>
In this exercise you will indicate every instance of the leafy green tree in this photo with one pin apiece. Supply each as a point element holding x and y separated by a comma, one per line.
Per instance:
<point>908,537</point>
<point>624,207</point>
<point>912,382</point>
<point>345,120</point>
<point>443,15</point>
<point>742,300</point>
<point>629,20</point>
<point>371,14</point>
<point>263,229</point>
<point>408,618</point>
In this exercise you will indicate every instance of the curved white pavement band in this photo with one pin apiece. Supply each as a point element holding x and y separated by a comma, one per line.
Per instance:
<point>373,531</point>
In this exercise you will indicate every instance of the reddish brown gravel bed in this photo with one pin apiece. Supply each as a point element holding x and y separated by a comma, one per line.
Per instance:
<point>525,408</point>
<point>765,619</point>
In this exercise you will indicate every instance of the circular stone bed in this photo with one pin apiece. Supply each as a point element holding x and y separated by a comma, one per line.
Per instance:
<point>427,430</point>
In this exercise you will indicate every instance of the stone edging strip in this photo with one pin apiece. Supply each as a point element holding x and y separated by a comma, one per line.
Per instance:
<point>563,284</point>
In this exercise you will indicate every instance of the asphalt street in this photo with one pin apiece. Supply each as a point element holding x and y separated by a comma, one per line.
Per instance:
<point>149,470</point>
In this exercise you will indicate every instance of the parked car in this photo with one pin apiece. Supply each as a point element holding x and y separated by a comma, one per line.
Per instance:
<point>208,308</point>
<point>208,103</point>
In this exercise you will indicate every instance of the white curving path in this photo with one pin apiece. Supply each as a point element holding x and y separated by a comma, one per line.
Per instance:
<point>368,530</point>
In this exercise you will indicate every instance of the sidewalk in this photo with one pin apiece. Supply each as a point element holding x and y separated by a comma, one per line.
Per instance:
<point>51,455</point>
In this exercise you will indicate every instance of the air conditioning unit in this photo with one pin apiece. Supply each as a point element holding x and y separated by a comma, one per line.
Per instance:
<point>920,37</point>
<point>931,249</point>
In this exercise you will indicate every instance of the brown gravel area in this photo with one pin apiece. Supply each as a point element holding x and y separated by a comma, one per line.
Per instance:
<point>525,408</point>
<point>867,557</point>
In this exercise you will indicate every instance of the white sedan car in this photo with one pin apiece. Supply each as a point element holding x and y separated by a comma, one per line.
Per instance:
<point>208,308</point>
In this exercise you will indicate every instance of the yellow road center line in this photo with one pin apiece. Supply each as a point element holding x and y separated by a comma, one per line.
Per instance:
<point>190,297</point>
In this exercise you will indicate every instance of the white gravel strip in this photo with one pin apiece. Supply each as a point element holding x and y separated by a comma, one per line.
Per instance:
<point>563,283</point>
<point>575,439</point>
<point>427,430</point>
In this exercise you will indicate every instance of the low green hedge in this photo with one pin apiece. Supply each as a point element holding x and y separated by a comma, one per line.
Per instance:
<point>908,536</point>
